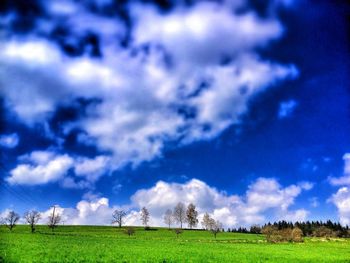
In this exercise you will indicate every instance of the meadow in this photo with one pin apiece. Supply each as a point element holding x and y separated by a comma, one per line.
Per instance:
<point>111,244</point>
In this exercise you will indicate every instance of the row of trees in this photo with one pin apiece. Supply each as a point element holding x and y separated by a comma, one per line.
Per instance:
<point>180,214</point>
<point>277,231</point>
<point>32,218</point>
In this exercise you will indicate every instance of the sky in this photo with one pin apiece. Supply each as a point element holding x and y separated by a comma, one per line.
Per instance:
<point>241,107</point>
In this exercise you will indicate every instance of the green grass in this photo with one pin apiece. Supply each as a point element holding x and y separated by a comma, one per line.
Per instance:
<point>110,244</point>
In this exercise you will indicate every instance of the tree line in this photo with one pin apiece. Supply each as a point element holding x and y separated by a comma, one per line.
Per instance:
<point>308,228</point>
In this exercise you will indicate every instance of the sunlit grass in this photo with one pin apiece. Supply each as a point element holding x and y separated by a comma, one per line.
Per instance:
<point>110,244</point>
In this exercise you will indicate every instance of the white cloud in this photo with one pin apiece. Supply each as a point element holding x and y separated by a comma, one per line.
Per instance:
<point>232,210</point>
<point>287,108</point>
<point>314,202</point>
<point>265,195</point>
<point>42,167</point>
<point>9,140</point>
<point>203,28</point>
<point>36,173</point>
<point>91,169</point>
<point>341,200</point>
<point>345,179</point>
<point>142,99</point>
<point>306,185</point>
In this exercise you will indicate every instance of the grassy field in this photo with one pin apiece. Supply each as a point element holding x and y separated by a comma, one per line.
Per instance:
<point>109,244</point>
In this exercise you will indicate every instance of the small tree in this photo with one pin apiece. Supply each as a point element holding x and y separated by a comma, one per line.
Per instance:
<point>118,217</point>
<point>129,231</point>
<point>144,216</point>
<point>179,213</point>
<point>206,221</point>
<point>168,217</point>
<point>54,219</point>
<point>215,227</point>
<point>32,218</point>
<point>191,216</point>
<point>271,233</point>
<point>11,220</point>
<point>255,229</point>
<point>178,231</point>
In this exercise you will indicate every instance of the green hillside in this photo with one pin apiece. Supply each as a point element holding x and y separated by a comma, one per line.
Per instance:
<point>110,244</point>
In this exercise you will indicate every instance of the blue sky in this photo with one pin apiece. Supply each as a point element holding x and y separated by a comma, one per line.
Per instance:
<point>241,107</point>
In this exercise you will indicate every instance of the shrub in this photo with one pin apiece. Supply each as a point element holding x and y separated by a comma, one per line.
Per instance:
<point>297,235</point>
<point>129,231</point>
<point>274,235</point>
<point>178,232</point>
<point>323,231</point>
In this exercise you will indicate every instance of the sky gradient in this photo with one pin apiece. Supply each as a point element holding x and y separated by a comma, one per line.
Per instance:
<point>241,107</point>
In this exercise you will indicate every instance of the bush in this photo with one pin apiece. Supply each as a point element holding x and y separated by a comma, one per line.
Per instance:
<point>274,235</point>
<point>297,235</point>
<point>323,231</point>
<point>178,231</point>
<point>129,231</point>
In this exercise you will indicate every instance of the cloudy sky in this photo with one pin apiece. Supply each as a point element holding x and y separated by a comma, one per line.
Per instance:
<point>239,106</point>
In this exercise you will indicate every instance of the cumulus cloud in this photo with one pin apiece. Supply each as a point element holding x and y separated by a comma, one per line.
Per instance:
<point>9,140</point>
<point>341,199</point>
<point>175,82</point>
<point>264,200</point>
<point>42,167</point>
<point>264,195</point>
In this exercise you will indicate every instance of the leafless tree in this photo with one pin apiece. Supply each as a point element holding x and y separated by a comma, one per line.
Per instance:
<point>144,216</point>
<point>180,213</point>
<point>11,220</point>
<point>118,217</point>
<point>54,219</point>
<point>215,227</point>
<point>191,216</point>
<point>206,221</point>
<point>32,218</point>
<point>129,231</point>
<point>168,217</point>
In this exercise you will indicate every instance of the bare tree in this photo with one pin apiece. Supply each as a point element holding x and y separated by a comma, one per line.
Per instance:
<point>180,213</point>
<point>32,218</point>
<point>11,220</point>
<point>168,217</point>
<point>118,217</point>
<point>206,221</point>
<point>191,216</point>
<point>54,219</point>
<point>215,227</point>
<point>144,216</point>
